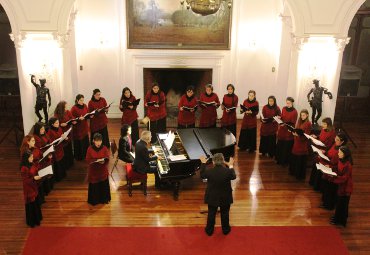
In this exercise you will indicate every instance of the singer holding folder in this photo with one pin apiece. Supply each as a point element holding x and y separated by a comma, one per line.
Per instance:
<point>327,137</point>
<point>345,186</point>
<point>81,128</point>
<point>97,157</point>
<point>55,132</point>
<point>187,107</point>
<point>285,139</point>
<point>298,161</point>
<point>228,106</point>
<point>155,104</point>
<point>128,105</point>
<point>30,190</point>
<point>329,189</point>
<point>41,140</point>
<point>99,121</point>
<point>269,127</point>
<point>65,116</point>
<point>209,103</point>
<point>248,131</point>
<point>28,144</point>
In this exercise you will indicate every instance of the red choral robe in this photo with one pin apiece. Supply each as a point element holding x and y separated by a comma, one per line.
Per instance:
<point>250,120</point>
<point>300,146</point>
<point>53,135</point>
<point>100,119</point>
<point>332,154</point>
<point>129,115</point>
<point>344,178</point>
<point>271,127</point>
<point>327,137</point>
<point>156,113</point>
<point>30,187</point>
<point>97,172</point>
<point>208,116</point>
<point>289,117</point>
<point>186,117</point>
<point>66,117</point>
<point>41,141</point>
<point>81,129</point>
<point>229,118</point>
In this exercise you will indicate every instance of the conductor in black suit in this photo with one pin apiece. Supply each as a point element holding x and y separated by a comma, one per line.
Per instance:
<point>219,191</point>
<point>146,161</point>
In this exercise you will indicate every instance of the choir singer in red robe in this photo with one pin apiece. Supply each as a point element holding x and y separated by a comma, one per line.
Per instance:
<point>30,190</point>
<point>228,106</point>
<point>209,103</point>
<point>155,104</point>
<point>81,128</point>
<point>97,157</point>
<point>99,122</point>
<point>187,106</point>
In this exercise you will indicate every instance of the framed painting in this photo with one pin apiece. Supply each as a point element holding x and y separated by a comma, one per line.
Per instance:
<point>171,24</point>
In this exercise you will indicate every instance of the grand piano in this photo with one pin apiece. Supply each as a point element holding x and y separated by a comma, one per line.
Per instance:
<point>180,156</point>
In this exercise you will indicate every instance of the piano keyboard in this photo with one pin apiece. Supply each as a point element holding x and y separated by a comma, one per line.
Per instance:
<point>162,163</point>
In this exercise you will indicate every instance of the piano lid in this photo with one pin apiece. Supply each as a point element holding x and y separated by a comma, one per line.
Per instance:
<point>199,142</point>
<point>217,138</point>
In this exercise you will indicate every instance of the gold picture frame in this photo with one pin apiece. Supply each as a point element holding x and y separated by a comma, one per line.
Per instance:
<point>169,24</point>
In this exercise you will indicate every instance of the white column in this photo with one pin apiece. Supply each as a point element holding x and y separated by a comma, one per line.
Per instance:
<point>40,54</point>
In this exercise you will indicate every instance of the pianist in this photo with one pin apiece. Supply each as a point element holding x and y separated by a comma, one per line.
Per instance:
<point>145,161</point>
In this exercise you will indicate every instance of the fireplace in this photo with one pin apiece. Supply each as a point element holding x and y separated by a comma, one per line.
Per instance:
<point>173,82</point>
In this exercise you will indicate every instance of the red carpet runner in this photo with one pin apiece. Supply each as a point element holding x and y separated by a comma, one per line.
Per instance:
<point>184,240</point>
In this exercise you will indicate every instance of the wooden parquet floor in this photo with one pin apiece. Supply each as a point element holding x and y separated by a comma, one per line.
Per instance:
<point>264,195</point>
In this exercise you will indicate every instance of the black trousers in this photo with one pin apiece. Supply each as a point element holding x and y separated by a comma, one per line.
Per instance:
<point>212,210</point>
<point>341,211</point>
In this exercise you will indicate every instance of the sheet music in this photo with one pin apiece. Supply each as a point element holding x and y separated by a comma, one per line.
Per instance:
<point>278,120</point>
<point>64,135</point>
<point>169,140</point>
<point>325,169</point>
<point>177,157</point>
<point>163,136</point>
<point>322,155</point>
<point>132,154</point>
<point>46,171</point>
<point>98,160</point>
<point>315,141</point>
<point>89,113</point>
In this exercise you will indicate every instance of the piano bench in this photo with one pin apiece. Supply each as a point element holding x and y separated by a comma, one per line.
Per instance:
<point>134,177</point>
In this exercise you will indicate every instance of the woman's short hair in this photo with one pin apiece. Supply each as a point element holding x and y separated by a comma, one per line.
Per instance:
<point>218,159</point>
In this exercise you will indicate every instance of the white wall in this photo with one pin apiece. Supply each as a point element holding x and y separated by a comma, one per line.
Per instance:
<point>110,66</point>
<point>259,43</point>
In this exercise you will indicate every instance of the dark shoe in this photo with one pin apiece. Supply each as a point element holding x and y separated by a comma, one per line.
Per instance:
<point>226,232</point>
<point>208,232</point>
<point>333,222</point>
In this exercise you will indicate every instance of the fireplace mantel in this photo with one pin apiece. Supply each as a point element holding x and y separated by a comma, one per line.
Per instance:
<point>193,60</point>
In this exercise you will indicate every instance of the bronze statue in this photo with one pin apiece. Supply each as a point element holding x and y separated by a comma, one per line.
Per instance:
<point>316,100</point>
<point>41,103</point>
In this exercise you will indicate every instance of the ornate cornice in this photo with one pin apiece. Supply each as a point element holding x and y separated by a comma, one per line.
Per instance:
<point>299,41</point>
<point>341,43</point>
<point>18,39</point>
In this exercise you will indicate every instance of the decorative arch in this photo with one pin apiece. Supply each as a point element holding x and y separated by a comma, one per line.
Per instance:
<point>304,23</point>
<point>9,10</point>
